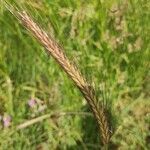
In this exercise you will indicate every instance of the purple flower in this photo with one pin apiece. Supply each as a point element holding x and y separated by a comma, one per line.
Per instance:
<point>32,103</point>
<point>6,121</point>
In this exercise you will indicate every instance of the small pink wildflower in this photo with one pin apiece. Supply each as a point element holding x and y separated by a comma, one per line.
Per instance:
<point>6,121</point>
<point>32,103</point>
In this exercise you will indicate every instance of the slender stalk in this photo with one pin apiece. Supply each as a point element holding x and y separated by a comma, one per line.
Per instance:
<point>46,116</point>
<point>57,53</point>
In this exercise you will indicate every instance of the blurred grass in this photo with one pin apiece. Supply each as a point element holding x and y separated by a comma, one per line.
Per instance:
<point>109,40</point>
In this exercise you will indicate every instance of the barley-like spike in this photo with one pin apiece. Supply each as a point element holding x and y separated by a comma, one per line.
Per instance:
<point>56,51</point>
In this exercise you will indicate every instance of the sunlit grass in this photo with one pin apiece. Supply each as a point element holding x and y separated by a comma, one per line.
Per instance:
<point>109,42</point>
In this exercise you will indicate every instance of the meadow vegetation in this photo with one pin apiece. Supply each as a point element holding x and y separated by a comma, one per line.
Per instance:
<point>40,108</point>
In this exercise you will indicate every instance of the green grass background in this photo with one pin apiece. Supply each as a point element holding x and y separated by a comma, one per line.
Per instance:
<point>109,42</point>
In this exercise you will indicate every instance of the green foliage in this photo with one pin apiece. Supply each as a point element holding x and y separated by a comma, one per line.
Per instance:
<point>109,41</point>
